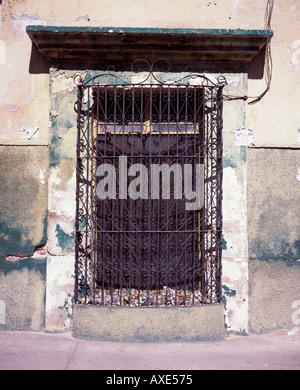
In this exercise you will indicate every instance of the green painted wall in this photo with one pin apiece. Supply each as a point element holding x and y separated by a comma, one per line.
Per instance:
<point>23,199</point>
<point>273,204</point>
<point>274,237</point>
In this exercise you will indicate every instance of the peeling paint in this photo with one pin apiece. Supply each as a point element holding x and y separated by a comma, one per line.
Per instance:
<point>53,113</point>
<point>68,306</point>
<point>40,252</point>
<point>60,290</point>
<point>22,21</point>
<point>233,81</point>
<point>24,232</point>
<point>2,53</point>
<point>199,80</point>
<point>62,83</point>
<point>28,132</point>
<point>228,292</point>
<point>140,77</point>
<point>244,136</point>
<point>65,240</point>
<point>42,176</point>
<point>85,17</point>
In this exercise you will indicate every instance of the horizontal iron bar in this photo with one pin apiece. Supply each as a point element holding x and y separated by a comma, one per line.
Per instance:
<point>148,231</point>
<point>150,157</point>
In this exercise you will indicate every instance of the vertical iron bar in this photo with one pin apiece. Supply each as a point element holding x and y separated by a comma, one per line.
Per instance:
<point>88,230</point>
<point>212,192</point>
<point>195,213</point>
<point>220,192</point>
<point>139,234</point>
<point>203,213</point>
<point>78,171</point>
<point>104,234</point>
<point>209,225</point>
<point>123,261</point>
<point>186,234</point>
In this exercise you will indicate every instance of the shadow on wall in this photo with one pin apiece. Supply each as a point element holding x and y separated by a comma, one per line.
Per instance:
<point>38,63</point>
<point>257,65</point>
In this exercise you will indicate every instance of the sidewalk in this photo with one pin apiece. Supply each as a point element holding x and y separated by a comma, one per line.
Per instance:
<point>278,350</point>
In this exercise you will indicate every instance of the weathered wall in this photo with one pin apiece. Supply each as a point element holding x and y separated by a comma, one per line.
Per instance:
<point>274,292</point>
<point>235,241</point>
<point>23,224</point>
<point>25,121</point>
<point>149,324</point>
<point>23,199</point>
<point>25,102</point>
<point>274,245</point>
<point>273,208</point>
<point>61,206</point>
<point>22,294</point>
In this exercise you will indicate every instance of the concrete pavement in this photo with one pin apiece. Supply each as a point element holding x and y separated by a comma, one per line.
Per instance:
<point>21,350</point>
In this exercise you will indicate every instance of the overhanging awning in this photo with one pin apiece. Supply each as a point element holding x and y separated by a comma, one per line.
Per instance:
<point>108,44</point>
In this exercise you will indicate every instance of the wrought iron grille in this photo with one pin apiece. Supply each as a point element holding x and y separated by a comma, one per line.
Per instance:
<point>149,191</point>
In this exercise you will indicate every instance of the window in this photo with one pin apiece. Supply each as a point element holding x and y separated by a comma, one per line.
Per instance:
<point>149,189</point>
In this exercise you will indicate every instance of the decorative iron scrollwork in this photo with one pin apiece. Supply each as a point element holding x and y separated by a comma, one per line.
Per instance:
<point>152,76</point>
<point>140,252</point>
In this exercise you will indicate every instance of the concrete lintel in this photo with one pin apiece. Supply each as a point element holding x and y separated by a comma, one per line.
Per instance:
<point>110,44</point>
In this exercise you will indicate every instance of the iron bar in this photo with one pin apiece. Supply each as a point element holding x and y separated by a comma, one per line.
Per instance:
<point>148,251</point>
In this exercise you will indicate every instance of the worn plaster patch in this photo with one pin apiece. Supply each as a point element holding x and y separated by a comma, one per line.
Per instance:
<point>27,132</point>
<point>60,235</point>
<point>228,291</point>
<point>198,80</point>
<point>65,240</point>
<point>85,17</point>
<point>233,81</point>
<point>42,176</point>
<point>60,290</point>
<point>2,53</point>
<point>62,83</point>
<point>24,20</point>
<point>53,113</point>
<point>139,78</point>
<point>234,200</point>
<point>244,136</point>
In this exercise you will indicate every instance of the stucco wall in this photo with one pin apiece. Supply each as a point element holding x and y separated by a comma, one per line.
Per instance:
<point>61,206</point>
<point>149,324</point>
<point>31,113</point>
<point>273,204</point>
<point>274,292</point>
<point>24,103</point>
<point>23,237</point>
<point>23,199</point>
<point>22,294</point>
<point>273,227</point>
